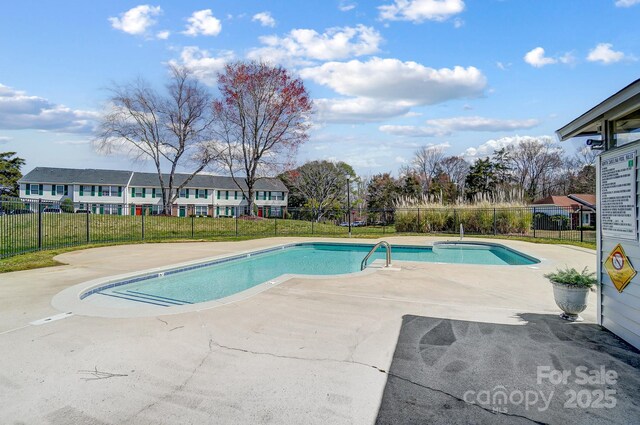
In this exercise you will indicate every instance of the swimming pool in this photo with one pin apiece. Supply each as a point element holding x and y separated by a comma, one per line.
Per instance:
<point>220,278</point>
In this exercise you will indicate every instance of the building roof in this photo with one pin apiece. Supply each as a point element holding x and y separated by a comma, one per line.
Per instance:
<point>572,201</point>
<point>616,105</point>
<point>585,199</point>
<point>121,178</point>
<point>76,175</point>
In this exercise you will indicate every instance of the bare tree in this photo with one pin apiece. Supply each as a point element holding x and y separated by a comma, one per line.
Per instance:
<point>534,161</point>
<point>173,130</point>
<point>426,161</point>
<point>261,120</point>
<point>456,168</point>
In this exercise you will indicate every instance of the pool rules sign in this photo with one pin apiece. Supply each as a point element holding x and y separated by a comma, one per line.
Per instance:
<point>618,195</point>
<point>619,268</point>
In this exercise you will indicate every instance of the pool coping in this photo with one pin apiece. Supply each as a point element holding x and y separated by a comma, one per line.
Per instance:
<point>71,299</point>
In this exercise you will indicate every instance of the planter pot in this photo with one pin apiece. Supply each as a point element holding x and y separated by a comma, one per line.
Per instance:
<point>572,300</point>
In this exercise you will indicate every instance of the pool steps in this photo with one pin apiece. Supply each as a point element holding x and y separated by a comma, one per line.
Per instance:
<point>143,297</point>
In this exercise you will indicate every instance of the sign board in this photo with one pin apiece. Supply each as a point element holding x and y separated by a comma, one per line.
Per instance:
<point>618,216</point>
<point>619,268</point>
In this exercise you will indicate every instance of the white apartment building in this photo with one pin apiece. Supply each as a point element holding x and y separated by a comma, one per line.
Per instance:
<point>132,193</point>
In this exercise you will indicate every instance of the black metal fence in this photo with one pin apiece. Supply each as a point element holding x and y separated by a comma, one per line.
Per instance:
<point>32,225</point>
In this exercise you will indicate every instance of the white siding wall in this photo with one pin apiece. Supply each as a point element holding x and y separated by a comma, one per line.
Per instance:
<point>620,312</point>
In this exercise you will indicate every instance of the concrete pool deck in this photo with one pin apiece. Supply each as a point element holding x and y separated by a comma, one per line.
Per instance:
<point>305,351</point>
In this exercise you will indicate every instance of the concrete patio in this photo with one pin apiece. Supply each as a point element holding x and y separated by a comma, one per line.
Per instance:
<point>305,351</point>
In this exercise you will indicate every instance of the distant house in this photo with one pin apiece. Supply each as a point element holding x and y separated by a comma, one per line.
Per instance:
<point>571,206</point>
<point>119,192</point>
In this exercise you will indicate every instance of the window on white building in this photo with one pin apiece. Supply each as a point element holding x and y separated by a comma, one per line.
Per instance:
<point>111,191</point>
<point>183,193</point>
<point>59,189</point>
<point>139,192</point>
<point>112,209</point>
<point>202,193</point>
<point>34,189</point>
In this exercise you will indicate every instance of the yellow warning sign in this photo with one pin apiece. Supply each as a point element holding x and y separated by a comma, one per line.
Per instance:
<point>619,268</point>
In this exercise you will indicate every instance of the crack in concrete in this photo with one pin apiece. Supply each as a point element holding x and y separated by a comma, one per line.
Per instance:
<point>388,373</point>
<point>177,388</point>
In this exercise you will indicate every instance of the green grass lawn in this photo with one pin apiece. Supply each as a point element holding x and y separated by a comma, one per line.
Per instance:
<point>19,233</point>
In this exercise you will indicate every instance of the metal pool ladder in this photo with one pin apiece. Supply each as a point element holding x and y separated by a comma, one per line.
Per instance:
<point>386,244</point>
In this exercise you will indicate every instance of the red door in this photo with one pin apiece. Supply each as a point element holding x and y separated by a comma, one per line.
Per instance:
<point>138,209</point>
<point>259,211</point>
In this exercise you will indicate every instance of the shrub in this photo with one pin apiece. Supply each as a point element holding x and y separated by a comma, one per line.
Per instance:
<point>572,277</point>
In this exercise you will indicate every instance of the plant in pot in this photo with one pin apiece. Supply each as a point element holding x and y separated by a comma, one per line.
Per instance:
<point>571,290</point>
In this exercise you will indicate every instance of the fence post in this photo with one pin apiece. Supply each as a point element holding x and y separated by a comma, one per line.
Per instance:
<point>275,226</point>
<point>193,218</point>
<point>236,225</point>
<point>88,225</point>
<point>534,222</point>
<point>581,225</point>
<point>39,224</point>
<point>495,227</point>
<point>142,224</point>
<point>418,220</point>
<point>561,224</point>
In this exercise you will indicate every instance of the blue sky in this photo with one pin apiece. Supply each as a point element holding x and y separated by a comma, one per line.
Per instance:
<point>387,76</point>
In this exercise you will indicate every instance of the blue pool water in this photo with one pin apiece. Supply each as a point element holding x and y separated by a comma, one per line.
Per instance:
<point>214,281</point>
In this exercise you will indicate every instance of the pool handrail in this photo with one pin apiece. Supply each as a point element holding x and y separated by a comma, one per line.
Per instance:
<point>387,245</point>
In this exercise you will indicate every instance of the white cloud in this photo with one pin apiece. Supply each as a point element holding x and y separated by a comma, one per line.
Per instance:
<point>421,10</point>
<point>481,124</point>
<point>346,5</point>
<point>536,58</point>
<point>488,147</point>
<point>19,111</point>
<point>136,21</point>
<point>412,83</point>
<point>412,131</point>
<point>308,44</point>
<point>567,59</point>
<point>5,139</point>
<point>357,110</point>
<point>202,22</point>
<point>204,66</point>
<point>626,3</point>
<point>265,19</point>
<point>163,35</point>
<point>604,53</point>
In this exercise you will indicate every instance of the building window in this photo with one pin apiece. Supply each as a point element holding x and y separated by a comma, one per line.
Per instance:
<point>201,193</point>
<point>183,193</point>
<point>35,189</point>
<point>59,189</point>
<point>201,210</point>
<point>139,192</point>
<point>85,190</point>
<point>277,196</point>
<point>275,212</point>
<point>109,190</point>
<point>111,209</point>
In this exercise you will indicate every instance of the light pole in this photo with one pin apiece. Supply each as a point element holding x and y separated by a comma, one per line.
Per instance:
<point>349,205</point>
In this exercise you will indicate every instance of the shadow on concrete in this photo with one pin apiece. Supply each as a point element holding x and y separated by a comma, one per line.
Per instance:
<point>454,371</point>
